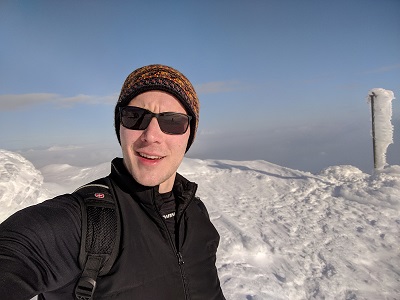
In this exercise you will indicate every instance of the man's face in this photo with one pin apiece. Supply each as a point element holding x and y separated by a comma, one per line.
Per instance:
<point>151,156</point>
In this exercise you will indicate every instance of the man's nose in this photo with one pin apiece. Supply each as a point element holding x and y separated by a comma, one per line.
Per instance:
<point>153,132</point>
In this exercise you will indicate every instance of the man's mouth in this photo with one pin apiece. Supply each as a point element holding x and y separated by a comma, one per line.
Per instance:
<point>151,157</point>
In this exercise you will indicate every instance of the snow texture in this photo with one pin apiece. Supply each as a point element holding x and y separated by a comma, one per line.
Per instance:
<point>285,234</point>
<point>382,111</point>
<point>20,183</point>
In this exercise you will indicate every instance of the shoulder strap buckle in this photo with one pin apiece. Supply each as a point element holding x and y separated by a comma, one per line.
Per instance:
<point>85,288</point>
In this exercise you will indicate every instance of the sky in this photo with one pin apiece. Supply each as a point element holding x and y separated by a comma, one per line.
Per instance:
<point>282,81</point>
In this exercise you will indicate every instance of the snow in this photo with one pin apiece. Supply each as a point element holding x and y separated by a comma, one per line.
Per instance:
<point>20,183</point>
<point>285,234</point>
<point>383,128</point>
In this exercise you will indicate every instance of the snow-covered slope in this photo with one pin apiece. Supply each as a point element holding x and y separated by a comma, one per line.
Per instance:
<point>285,234</point>
<point>20,184</point>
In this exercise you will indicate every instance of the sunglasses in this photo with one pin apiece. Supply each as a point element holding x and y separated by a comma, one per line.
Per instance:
<point>137,118</point>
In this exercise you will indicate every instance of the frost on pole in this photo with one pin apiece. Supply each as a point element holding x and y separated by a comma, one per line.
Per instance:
<point>382,128</point>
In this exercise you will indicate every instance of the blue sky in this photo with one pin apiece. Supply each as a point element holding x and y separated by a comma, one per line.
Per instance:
<point>283,81</point>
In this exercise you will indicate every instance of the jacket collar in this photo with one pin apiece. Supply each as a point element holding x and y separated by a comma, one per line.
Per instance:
<point>183,189</point>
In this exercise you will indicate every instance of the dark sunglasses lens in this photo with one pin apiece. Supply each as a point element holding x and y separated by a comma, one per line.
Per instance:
<point>135,118</point>
<point>173,123</point>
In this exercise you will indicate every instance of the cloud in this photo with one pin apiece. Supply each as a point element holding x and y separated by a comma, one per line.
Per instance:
<point>218,87</point>
<point>87,99</point>
<point>11,102</point>
<point>82,155</point>
<point>18,101</point>
<point>383,69</point>
<point>63,148</point>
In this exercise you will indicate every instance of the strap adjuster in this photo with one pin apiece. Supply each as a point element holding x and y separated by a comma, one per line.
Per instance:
<point>85,288</point>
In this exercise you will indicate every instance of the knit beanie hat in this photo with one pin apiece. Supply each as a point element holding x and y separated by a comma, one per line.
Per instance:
<point>163,78</point>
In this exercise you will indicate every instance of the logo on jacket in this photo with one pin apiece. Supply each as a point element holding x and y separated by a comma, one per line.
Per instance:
<point>167,216</point>
<point>99,195</point>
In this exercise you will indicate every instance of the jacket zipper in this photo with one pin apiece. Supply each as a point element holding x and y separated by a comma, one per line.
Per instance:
<point>178,254</point>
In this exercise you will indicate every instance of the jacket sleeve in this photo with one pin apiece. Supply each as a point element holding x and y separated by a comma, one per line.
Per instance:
<point>39,248</point>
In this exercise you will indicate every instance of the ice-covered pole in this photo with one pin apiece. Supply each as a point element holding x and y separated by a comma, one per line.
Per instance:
<point>382,128</point>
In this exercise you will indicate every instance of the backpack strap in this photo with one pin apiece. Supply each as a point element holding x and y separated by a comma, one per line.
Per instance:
<point>101,231</point>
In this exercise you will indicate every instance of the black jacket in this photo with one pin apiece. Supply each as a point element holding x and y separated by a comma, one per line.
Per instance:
<point>39,248</point>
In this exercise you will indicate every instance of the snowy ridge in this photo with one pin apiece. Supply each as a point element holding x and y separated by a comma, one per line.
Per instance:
<point>66,178</point>
<point>20,183</point>
<point>285,234</point>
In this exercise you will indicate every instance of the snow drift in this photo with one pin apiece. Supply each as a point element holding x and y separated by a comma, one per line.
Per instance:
<point>285,234</point>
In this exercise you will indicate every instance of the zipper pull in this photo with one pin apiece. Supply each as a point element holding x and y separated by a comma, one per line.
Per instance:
<point>180,258</point>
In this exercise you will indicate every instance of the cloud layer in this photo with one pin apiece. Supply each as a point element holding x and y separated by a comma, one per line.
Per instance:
<point>19,101</point>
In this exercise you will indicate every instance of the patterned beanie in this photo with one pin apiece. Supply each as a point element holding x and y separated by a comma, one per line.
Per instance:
<point>163,78</point>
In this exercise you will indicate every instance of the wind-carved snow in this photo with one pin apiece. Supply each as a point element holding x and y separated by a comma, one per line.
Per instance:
<point>287,234</point>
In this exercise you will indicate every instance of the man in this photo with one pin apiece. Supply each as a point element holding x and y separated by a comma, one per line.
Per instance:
<point>168,244</point>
